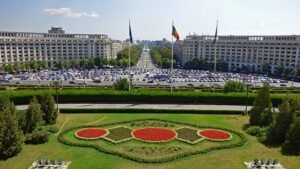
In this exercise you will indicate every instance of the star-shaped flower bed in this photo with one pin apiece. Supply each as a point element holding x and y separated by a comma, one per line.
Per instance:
<point>119,134</point>
<point>188,135</point>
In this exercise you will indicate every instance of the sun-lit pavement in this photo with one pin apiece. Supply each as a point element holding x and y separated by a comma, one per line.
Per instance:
<point>145,61</point>
<point>148,106</point>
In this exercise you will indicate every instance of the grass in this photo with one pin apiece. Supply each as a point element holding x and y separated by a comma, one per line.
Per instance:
<point>88,158</point>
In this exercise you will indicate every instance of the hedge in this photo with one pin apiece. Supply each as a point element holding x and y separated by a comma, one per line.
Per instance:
<point>155,111</point>
<point>143,96</point>
<point>243,141</point>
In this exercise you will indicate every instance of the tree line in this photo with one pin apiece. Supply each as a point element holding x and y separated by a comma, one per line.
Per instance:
<point>204,64</point>
<point>25,127</point>
<point>276,129</point>
<point>162,57</point>
<point>122,60</point>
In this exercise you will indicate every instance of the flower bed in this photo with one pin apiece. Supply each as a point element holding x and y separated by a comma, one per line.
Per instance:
<point>188,135</point>
<point>153,134</point>
<point>131,153</point>
<point>118,134</point>
<point>91,133</point>
<point>215,135</point>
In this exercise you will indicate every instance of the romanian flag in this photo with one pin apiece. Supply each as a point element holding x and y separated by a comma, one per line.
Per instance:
<point>175,33</point>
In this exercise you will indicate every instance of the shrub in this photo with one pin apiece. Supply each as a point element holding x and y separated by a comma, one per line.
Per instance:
<point>38,136</point>
<point>121,84</point>
<point>52,129</point>
<point>254,130</point>
<point>143,96</point>
<point>233,86</point>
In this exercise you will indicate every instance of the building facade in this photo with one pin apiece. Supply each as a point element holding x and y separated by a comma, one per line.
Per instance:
<point>117,46</point>
<point>20,47</point>
<point>245,51</point>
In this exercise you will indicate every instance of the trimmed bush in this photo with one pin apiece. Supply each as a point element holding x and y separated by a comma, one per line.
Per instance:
<point>233,86</point>
<point>38,136</point>
<point>144,96</point>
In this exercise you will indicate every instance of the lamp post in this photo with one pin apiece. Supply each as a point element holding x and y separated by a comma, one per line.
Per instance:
<point>56,84</point>
<point>247,90</point>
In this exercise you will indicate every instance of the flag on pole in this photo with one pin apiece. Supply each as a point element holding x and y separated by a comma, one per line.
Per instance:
<point>130,34</point>
<point>175,33</point>
<point>216,34</point>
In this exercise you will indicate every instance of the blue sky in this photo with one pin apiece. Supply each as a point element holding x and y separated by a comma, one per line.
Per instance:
<point>151,19</point>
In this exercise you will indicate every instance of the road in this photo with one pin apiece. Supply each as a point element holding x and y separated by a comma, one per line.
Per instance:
<point>145,61</point>
<point>149,106</point>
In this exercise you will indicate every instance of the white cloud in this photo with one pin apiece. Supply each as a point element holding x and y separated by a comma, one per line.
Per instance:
<point>69,13</point>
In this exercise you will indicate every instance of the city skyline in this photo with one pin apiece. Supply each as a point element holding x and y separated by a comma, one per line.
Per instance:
<point>151,20</point>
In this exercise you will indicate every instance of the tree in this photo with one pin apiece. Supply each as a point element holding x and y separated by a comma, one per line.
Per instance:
<point>294,73</point>
<point>61,64</point>
<point>7,105</point>
<point>222,66</point>
<point>277,131</point>
<point>9,68</point>
<point>33,116</point>
<point>292,142</point>
<point>233,86</point>
<point>113,62</point>
<point>98,61</point>
<point>279,69</point>
<point>266,68</point>
<point>261,112</point>
<point>11,138</point>
<point>90,63</point>
<point>74,64</point>
<point>135,53</point>
<point>34,65</point>
<point>48,108</point>
<point>121,84</point>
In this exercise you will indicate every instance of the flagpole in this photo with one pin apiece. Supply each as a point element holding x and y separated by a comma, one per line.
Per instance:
<point>215,58</point>
<point>172,61</point>
<point>129,88</point>
<point>129,68</point>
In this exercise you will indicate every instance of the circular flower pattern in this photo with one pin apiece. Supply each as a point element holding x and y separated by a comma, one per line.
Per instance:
<point>91,133</point>
<point>154,134</point>
<point>215,135</point>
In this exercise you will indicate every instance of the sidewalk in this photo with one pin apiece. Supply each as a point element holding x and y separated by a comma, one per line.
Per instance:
<point>148,106</point>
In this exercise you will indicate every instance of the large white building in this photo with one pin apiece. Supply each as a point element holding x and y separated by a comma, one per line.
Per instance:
<point>20,47</point>
<point>242,51</point>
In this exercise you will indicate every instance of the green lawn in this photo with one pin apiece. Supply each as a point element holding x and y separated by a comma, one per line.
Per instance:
<point>88,158</point>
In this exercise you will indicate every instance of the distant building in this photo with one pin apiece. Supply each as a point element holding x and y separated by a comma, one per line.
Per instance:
<point>117,46</point>
<point>20,47</point>
<point>243,51</point>
<point>178,52</point>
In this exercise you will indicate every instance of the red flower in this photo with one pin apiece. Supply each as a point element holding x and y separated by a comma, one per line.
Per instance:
<point>154,134</point>
<point>216,135</point>
<point>91,133</point>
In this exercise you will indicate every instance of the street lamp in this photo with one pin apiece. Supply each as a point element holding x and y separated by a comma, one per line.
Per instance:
<point>56,84</point>
<point>247,90</point>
